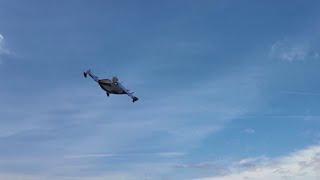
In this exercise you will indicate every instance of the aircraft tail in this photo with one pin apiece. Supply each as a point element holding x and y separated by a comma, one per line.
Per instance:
<point>88,72</point>
<point>134,98</point>
<point>85,74</point>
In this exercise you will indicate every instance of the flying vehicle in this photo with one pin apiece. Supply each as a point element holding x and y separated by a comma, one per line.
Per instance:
<point>112,86</point>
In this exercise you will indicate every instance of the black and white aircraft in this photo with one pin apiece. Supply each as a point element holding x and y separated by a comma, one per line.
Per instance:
<point>111,86</point>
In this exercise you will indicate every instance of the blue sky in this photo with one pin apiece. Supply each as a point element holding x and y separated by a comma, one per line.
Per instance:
<point>224,86</point>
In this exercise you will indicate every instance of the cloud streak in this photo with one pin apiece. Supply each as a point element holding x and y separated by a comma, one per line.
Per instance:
<point>303,164</point>
<point>301,93</point>
<point>3,50</point>
<point>106,155</point>
<point>290,51</point>
<point>249,131</point>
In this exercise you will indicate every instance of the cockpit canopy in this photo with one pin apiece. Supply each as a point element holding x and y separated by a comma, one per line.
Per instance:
<point>114,79</point>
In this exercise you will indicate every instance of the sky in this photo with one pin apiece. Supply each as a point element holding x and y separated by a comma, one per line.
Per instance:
<point>227,89</point>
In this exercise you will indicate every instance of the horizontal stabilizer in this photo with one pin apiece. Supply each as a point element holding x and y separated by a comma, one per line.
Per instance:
<point>134,99</point>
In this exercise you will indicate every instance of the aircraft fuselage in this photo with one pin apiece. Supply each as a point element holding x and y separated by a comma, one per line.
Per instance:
<point>110,87</point>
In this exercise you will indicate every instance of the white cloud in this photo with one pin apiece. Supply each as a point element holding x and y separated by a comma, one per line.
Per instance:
<point>301,165</point>
<point>3,50</point>
<point>249,131</point>
<point>292,51</point>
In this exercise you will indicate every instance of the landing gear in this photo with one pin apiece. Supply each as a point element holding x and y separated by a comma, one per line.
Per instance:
<point>108,94</point>
<point>85,74</point>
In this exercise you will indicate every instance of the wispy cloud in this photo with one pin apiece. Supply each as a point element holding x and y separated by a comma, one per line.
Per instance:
<point>163,126</point>
<point>301,93</point>
<point>171,154</point>
<point>89,156</point>
<point>251,162</point>
<point>303,164</point>
<point>292,51</point>
<point>295,116</point>
<point>249,131</point>
<point>106,155</point>
<point>3,50</point>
